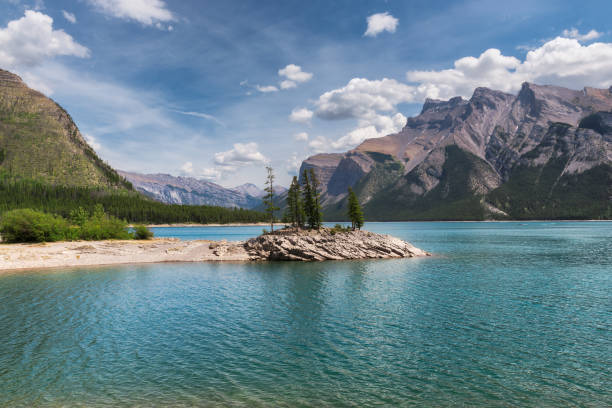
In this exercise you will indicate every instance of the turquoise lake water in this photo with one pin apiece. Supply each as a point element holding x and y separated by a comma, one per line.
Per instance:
<point>504,314</point>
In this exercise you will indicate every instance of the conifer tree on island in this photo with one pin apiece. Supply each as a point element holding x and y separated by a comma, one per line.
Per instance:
<point>354,210</point>
<point>295,204</point>
<point>312,205</point>
<point>269,197</point>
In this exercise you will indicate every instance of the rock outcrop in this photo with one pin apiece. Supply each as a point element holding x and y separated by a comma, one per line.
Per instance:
<point>292,244</point>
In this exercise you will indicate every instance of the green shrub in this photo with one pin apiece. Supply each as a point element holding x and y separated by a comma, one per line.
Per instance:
<point>339,228</point>
<point>142,232</point>
<point>27,225</point>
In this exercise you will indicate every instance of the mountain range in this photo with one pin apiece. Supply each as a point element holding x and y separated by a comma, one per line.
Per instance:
<point>192,191</point>
<point>543,153</point>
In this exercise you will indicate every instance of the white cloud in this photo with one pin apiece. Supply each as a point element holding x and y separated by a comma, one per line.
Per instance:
<point>301,115</point>
<point>242,154</point>
<point>30,40</point>
<point>362,98</point>
<point>212,174</point>
<point>292,165</point>
<point>491,69</point>
<point>379,127</point>
<point>561,61</point>
<point>187,168</point>
<point>574,33</point>
<point>201,115</point>
<point>69,16</point>
<point>294,73</point>
<point>266,88</point>
<point>92,142</point>
<point>147,12</point>
<point>320,144</point>
<point>287,84</point>
<point>377,23</point>
<point>301,137</point>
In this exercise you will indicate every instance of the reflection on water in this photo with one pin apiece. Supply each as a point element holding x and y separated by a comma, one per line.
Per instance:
<point>505,314</point>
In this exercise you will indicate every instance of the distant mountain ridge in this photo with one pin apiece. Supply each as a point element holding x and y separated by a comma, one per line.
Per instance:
<point>39,140</point>
<point>543,153</point>
<point>192,191</point>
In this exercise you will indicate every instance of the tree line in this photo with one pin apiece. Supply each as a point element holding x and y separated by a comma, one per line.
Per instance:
<point>304,202</point>
<point>126,205</point>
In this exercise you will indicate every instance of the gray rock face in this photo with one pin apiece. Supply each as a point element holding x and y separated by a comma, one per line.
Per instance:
<point>302,245</point>
<point>501,131</point>
<point>190,191</point>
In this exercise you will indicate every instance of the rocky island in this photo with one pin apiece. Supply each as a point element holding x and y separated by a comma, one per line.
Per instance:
<point>285,245</point>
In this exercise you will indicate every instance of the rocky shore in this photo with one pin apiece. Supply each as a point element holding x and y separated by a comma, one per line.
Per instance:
<point>285,245</point>
<point>327,244</point>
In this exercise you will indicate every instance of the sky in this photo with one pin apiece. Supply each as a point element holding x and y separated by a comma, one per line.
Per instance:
<point>220,89</point>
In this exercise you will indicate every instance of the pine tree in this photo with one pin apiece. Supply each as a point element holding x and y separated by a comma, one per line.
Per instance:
<point>295,207</point>
<point>269,197</point>
<point>316,216</point>
<point>308,201</point>
<point>354,210</point>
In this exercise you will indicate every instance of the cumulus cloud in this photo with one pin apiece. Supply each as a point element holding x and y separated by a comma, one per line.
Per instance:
<point>294,73</point>
<point>187,168</point>
<point>381,126</point>
<point>362,98</point>
<point>287,84</point>
<point>292,165</point>
<point>301,137</point>
<point>574,33</point>
<point>377,23</point>
<point>147,12</point>
<point>70,17</point>
<point>384,125</point>
<point>30,40</point>
<point>490,69</point>
<point>266,88</point>
<point>301,115</point>
<point>212,174</point>
<point>561,61</point>
<point>320,144</point>
<point>242,154</point>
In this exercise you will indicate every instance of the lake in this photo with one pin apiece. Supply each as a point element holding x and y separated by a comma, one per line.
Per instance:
<point>504,314</point>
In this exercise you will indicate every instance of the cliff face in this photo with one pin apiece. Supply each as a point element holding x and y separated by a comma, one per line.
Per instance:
<point>191,191</point>
<point>448,160</point>
<point>39,140</point>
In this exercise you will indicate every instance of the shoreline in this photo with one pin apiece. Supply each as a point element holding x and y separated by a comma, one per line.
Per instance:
<point>280,225</point>
<point>53,255</point>
<point>287,245</point>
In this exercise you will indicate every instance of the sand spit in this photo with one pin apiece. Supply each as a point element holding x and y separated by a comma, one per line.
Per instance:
<point>90,253</point>
<point>287,245</point>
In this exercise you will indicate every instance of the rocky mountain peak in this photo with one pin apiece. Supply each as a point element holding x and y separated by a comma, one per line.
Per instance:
<point>437,105</point>
<point>9,77</point>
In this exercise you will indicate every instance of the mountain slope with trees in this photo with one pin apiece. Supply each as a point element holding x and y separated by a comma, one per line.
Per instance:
<point>46,165</point>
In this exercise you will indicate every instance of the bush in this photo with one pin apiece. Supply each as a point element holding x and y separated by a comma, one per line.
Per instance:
<point>142,232</point>
<point>28,225</point>
<point>339,228</point>
<point>33,226</point>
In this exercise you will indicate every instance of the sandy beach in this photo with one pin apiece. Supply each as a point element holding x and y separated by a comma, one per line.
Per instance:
<point>93,253</point>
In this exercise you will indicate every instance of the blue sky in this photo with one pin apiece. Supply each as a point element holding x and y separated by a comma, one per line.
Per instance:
<point>216,89</point>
